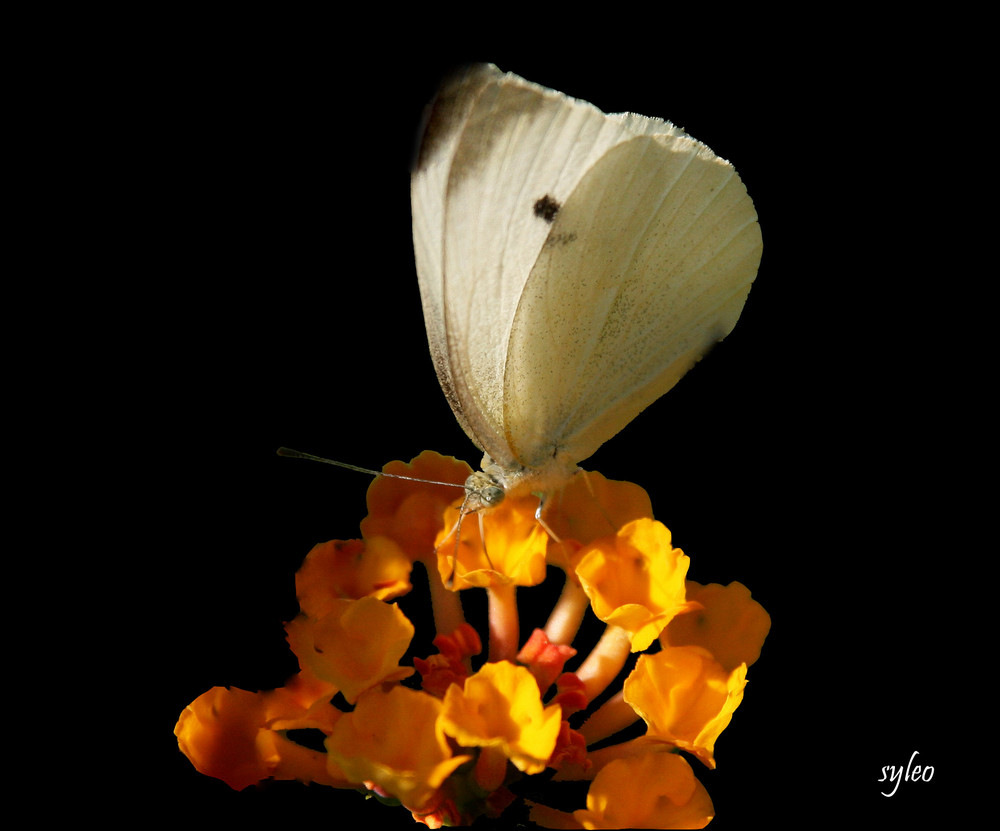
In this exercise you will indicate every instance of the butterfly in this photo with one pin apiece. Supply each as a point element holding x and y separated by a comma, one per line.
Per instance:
<point>572,267</point>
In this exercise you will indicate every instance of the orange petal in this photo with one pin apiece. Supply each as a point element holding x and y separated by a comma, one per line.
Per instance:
<point>356,645</point>
<point>591,506</point>
<point>234,735</point>
<point>656,789</point>
<point>410,513</point>
<point>394,740</point>
<point>729,624</point>
<point>351,569</point>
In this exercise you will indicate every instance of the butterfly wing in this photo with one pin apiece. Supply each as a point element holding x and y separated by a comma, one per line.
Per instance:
<point>646,266</point>
<point>572,265</point>
<point>497,151</point>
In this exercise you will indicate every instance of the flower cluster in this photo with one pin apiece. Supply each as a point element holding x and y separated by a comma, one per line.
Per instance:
<point>452,735</point>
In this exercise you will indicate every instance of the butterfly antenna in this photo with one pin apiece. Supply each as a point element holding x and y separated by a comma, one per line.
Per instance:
<point>471,494</point>
<point>298,454</point>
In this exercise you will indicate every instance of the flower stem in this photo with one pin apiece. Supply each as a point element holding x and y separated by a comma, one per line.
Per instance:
<point>564,622</point>
<point>605,661</point>
<point>504,624</point>
<point>613,715</point>
<point>446,604</point>
<point>491,768</point>
<point>600,758</point>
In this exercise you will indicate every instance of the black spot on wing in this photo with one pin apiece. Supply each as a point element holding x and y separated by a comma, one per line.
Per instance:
<point>546,208</point>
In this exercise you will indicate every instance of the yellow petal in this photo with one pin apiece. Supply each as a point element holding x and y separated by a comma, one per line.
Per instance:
<point>500,706</point>
<point>635,580</point>
<point>589,507</point>
<point>685,697</point>
<point>513,551</point>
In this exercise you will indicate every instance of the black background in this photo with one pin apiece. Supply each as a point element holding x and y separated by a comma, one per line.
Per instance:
<point>256,288</point>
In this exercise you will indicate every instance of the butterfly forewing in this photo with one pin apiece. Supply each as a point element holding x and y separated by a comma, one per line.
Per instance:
<point>572,265</point>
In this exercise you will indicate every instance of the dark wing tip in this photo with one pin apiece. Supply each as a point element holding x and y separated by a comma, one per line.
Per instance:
<point>447,110</point>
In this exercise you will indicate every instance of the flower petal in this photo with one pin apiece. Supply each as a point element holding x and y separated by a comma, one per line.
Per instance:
<point>235,735</point>
<point>513,552</point>
<point>218,733</point>
<point>544,659</point>
<point>589,507</point>
<point>729,624</point>
<point>500,706</point>
<point>410,513</point>
<point>656,789</point>
<point>356,645</point>
<point>685,697</point>
<point>351,569</point>
<point>635,580</point>
<point>394,740</point>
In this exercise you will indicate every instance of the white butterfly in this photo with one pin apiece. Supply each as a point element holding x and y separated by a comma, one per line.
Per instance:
<point>572,266</point>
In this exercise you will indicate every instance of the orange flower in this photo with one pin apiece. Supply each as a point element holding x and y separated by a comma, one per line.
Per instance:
<point>351,569</point>
<point>410,513</point>
<point>237,736</point>
<point>655,789</point>
<point>635,580</point>
<point>395,740</point>
<point>447,749</point>
<point>685,697</point>
<point>727,622</point>
<point>438,672</point>
<point>356,645</point>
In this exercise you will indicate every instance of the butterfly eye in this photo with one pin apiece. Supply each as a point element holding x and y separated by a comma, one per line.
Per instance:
<point>482,492</point>
<point>491,495</point>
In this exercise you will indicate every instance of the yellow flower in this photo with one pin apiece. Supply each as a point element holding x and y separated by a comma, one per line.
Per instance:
<point>635,580</point>
<point>356,645</point>
<point>589,507</point>
<point>395,741</point>
<point>500,707</point>
<point>685,697</point>
<point>729,624</point>
<point>351,569</point>
<point>510,548</point>
<point>655,789</point>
